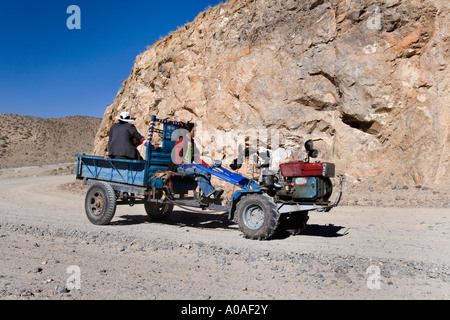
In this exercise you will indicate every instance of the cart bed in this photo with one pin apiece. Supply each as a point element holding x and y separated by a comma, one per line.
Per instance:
<point>132,172</point>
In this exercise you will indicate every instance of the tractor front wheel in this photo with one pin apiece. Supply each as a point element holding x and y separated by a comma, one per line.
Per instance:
<point>257,216</point>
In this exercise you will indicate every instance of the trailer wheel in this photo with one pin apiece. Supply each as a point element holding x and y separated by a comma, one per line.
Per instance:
<point>100,203</point>
<point>158,211</point>
<point>257,216</point>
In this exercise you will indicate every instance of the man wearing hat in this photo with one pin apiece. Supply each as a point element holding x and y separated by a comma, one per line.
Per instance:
<point>121,135</point>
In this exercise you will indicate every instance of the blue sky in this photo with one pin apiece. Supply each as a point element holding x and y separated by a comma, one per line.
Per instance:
<point>49,71</point>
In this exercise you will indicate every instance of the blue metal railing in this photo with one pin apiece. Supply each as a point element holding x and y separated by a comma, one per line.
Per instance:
<point>226,175</point>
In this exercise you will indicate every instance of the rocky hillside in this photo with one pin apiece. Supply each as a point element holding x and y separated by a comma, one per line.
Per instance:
<point>368,79</point>
<point>32,141</point>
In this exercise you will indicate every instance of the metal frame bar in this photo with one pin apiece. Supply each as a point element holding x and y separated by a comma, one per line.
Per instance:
<point>231,177</point>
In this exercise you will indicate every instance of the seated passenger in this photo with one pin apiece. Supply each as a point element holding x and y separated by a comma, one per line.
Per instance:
<point>183,153</point>
<point>121,135</point>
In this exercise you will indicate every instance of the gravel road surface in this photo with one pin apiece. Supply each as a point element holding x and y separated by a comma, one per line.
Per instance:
<point>50,250</point>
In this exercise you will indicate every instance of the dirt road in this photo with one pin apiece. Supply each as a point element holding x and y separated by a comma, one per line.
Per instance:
<point>50,250</point>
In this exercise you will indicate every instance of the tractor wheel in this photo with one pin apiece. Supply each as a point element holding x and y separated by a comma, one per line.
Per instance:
<point>257,216</point>
<point>100,203</point>
<point>158,211</point>
<point>293,223</point>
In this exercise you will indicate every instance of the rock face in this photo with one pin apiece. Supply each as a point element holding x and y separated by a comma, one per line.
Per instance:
<point>368,79</point>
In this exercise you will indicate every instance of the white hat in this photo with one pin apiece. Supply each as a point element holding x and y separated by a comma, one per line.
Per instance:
<point>125,117</point>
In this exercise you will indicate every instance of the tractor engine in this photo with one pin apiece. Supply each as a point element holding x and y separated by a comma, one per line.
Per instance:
<point>302,181</point>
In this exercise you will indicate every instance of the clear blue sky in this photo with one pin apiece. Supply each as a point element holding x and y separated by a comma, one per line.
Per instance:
<point>49,71</point>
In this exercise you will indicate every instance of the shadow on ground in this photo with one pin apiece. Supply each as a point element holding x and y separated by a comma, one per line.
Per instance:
<point>220,221</point>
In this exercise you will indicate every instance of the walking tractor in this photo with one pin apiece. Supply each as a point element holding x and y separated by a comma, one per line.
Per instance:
<point>278,200</point>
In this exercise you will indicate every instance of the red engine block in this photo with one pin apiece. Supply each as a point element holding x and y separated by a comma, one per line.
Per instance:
<point>305,169</point>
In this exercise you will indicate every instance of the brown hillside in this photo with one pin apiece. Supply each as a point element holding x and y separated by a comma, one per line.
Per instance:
<point>32,141</point>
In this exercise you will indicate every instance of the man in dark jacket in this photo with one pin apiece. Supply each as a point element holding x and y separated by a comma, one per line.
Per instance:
<point>121,135</point>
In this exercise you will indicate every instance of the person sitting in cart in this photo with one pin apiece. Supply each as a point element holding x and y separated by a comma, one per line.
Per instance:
<point>184,153</point>
<point>121,135</point>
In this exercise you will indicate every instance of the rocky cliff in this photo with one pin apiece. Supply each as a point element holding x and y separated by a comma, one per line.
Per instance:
<point>369,80</point>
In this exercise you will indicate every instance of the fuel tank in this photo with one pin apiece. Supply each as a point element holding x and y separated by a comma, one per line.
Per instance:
<point>306,169</point>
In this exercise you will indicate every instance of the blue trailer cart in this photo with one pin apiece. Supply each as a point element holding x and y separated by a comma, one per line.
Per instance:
<point>274,202</point>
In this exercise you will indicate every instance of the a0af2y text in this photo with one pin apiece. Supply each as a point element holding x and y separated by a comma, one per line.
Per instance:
<point>230,309</point>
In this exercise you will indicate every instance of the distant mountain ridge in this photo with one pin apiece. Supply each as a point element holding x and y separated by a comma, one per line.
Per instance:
<point>30,141</point>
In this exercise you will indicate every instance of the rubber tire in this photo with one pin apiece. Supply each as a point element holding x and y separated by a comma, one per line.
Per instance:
<point>293,223</point>
<point>103,212</point>
<point>267,211</point>
<point>157,211</point>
